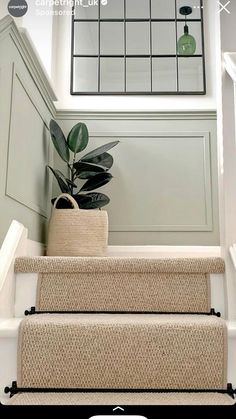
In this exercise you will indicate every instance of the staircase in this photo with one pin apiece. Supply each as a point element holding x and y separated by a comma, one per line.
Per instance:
<point>121,331</point>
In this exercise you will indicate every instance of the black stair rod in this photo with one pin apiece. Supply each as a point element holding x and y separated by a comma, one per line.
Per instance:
<point>15,390</point>
<point>34,311</point>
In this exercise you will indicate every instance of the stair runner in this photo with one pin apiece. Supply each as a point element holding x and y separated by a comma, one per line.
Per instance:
<point>138,357</point>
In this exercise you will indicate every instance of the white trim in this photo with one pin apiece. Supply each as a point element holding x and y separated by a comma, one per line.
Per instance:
<point>9,327</point>
<point>165,251</point>
<point>232,251</point>
<point>16,235</point>
<point>230,64</point>
<point>231,326</point>
<point>15,244</point>
<point>70,114</point>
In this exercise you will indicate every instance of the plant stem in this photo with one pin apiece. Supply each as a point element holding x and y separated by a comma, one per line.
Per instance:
<point>73,172</point>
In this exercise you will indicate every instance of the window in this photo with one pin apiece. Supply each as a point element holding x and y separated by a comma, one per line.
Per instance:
<point>134,47</point>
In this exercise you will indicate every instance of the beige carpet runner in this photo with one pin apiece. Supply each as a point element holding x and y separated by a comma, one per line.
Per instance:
<point>122,399</point>
<point>122,352</point>
<point>122,284</point>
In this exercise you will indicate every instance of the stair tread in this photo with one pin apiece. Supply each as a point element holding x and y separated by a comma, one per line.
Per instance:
<point>119,264</point>
<point>121,399</point>
<point>127,319</point>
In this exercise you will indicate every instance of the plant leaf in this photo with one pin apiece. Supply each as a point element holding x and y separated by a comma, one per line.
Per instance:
<point>59,141</point>
<point>85,201</point>
<point>100,150</point>
<point>78,138</point>
<point>86,175</point>
<point>71,183</point>
<point>87,167</point>
<point>82,199</point>
<point>61,180</point>
<point>96,182</point>
<point>97,200</point>
<point>104,159</point>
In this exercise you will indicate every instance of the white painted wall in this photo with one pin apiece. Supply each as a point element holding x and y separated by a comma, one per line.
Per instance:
<point>227,151</point>
<point>61,76</point>
<point>39,28</point>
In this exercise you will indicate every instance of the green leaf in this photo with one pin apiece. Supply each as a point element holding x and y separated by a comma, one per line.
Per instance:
<point>59,141</point>
<point>71,183</point>
<point>96,200</point>
<point>85,201</point>
<point>96,182</point>
<point>100,150</point>
<point>82,199</point>
<point>81,167</point>
<point>78,138</point>
<point>61,180</point>
<point>104,159</point>
<point>86,175</point>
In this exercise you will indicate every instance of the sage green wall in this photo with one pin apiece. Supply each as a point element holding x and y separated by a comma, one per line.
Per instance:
<point>164,190</point>
<point>24,144</point>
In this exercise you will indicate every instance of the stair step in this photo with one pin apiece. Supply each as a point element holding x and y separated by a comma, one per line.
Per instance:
<point>122,352</point>
<point>122,399</point>
<point>119,264</point>
<point>122,284</point>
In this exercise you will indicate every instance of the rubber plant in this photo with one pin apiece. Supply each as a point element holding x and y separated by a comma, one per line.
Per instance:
<point>92,168</point>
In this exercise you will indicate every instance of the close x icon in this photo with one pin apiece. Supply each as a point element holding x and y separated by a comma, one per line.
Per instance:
<point>224,7</point>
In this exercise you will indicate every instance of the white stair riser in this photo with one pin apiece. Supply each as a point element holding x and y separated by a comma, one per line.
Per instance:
<point>26,285</point>
<point>8,363</point>
<point>25,293</point>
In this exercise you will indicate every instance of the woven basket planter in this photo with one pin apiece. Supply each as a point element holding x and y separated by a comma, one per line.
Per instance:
<point>77,232</point>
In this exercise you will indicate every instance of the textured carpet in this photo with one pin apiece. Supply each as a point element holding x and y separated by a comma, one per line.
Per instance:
<point>122,351</point>
<point>124,291</point>
<point>111,264</point>
<point>122,399</point>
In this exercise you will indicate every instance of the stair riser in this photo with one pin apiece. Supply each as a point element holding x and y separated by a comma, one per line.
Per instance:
<point>8,357</point>
<point>26,285</point>
<point>122,351</point>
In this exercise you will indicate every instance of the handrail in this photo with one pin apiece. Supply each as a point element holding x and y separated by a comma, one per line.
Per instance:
<point>16,233</point>
<point>230,64</point>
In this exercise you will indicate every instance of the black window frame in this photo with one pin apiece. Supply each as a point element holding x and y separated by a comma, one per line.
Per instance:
<point>150,56</point>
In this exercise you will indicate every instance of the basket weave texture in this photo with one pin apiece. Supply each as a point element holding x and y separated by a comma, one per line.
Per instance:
<point>77,232</point>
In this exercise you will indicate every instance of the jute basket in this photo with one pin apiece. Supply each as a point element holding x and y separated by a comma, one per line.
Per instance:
<point>77,232</point>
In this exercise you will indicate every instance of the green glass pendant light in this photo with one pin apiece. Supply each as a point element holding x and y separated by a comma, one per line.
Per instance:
<point>186,43</point>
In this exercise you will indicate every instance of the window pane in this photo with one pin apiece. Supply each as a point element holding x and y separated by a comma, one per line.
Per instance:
<point>164,75</point>
<point>137,9</point>
<point>138,77</point>
<point>112,74</point>
<point>85,74</point>
<point>112,38</point>
<point>195,4</point>
<point>190,74</point>
<point>89,12</point>
<point>86,38</point>
<point>138,38</point>
<point>163,38</point>
<point>195,31</point>
<point>163,9</point>
<point>113,9</point>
